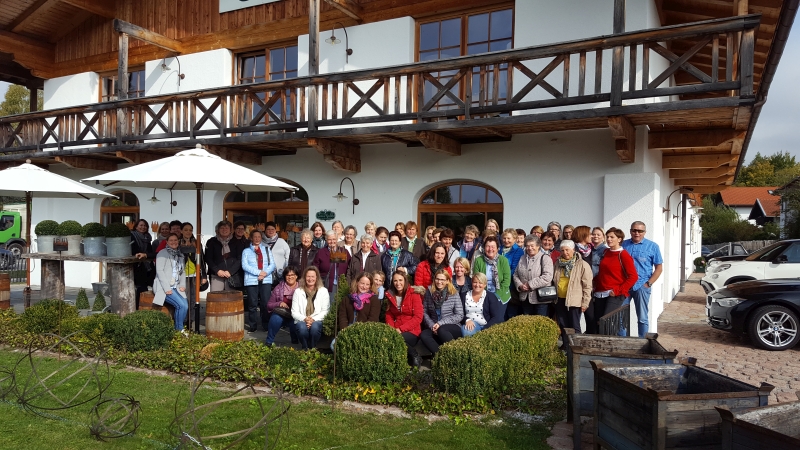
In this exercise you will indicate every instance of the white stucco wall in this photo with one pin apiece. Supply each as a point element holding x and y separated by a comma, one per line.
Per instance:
<point>72,90</point>
<point>203,70</point>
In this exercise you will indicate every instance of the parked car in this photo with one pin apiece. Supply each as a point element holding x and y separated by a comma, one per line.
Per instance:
<point>7,259</point>
<point>704,251</point>
<point>779,260</point>
<point>768,311</point>
<point>729,252</point>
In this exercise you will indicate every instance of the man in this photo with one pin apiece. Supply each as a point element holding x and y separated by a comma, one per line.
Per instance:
<point>280,250</point>
<point>411,242</point>
<point>555,228</point>
<point>649,265</point>
<point>451,253</point>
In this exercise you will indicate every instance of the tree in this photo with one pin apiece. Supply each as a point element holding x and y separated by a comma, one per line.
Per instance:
<point>17,101</point>
<point>774,170</point>
<point>721,223</point>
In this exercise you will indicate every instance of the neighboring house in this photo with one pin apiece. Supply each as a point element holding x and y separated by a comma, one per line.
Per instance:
<point>447,112</point>
<point>751,203</point>
<point>786,214</point>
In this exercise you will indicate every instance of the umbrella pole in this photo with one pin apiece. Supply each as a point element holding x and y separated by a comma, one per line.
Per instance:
<point>28,205</point>
<point>198,271</point>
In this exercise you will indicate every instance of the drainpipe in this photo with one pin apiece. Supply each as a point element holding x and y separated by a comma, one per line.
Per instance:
<point>684,200</point>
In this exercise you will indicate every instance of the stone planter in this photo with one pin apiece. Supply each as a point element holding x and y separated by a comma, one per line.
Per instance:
<point>45,243</point>
<point>100,287</point>
<point>119,247</point>
<point>74,242</point>
<point>94,246</point>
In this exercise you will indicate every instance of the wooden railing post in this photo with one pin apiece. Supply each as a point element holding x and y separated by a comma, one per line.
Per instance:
<point>122,84</point>
<point>747,50</point>
<point>313,61</point>
<point>618,59</point>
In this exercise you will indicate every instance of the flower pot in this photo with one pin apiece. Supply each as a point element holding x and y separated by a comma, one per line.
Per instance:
<point>45,243</point>
<point>700,269</point>
<point>119,247</point>
<point>74,242</point>
<point>94,246</point>
<point>99,287</point>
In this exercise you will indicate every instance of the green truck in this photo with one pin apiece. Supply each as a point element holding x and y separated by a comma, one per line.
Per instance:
<point>11,232</point>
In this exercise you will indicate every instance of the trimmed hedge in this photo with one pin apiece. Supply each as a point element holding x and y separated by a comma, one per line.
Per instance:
<point>82,302</point>
<point>117,229</point>
<point>69,228</point>
<point>100,326</point>
<point>93,229</point>
<point>48,316</point>
<point>503,358</point>
<point>46,228</point>
<point>99,303</point>
<point>143,331</point>
<point>371,352</point>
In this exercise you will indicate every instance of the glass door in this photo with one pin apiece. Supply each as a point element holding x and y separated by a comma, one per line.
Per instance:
<point>290,223</point>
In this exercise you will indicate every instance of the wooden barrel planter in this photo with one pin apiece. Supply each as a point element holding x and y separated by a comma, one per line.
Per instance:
<point>669,406</point>
<point>225,315</point>
<point>581,348</point>
<point>146,303</point>
<point>5,291</point>
<point>775,427</point>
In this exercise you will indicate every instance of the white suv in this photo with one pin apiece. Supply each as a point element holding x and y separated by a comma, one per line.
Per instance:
<point>779,260</point>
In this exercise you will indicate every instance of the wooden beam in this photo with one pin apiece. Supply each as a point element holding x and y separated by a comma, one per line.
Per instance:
<point>704,181</point>
<point>235,155</point>
<point>139,157</point>
<point>439,143</point>
<point>702,173</point>
<point>33,12</point>
<point>697,161</point>
<point>313,61</point>
<point>707,189</point>
<point>625,138</point>
<point>349,7</point>
<point>33,54</point>
<point>341,156</point>
<point>498,133</point>
<point>707,138</point>
<point>103,8</point>
<point>148,36</point>
<point>78,162</point>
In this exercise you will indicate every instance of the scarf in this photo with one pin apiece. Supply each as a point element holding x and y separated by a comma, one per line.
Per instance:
<point>491,263</point>
<point>142,240</point>
<point>584,250</point>
<point>259,257</point>
<point>319,242</point>
<point>310,302</point>
<point>395,254</point>
<point>177,258</point>
<point>270,242</point>
<point>438,298</point>
<point>467,246</point>
<point>304,253</point>
<point>568,265</point>
<point>225,243</point>
<point>411,243</point>
<point>435,268</point>
<point>360,300</point>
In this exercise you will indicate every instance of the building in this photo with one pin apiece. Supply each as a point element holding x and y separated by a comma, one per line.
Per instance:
<point>756,204</point>
<point>447,112</point>
<point>788,220</point>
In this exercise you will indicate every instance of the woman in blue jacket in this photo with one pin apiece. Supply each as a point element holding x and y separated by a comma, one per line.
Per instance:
<point>258,265</point>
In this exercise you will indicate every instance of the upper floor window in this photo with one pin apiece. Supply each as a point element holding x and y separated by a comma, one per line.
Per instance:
<point>271,64</point>
<point>108,86</point>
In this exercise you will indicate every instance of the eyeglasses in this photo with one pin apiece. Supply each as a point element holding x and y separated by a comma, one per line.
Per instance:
<point>240,229</point>
<point>443,280</point>
<point>633,230</point>
<point>291,275</point>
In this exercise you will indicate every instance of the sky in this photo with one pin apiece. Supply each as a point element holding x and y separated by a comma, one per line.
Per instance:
<point>780,116</point>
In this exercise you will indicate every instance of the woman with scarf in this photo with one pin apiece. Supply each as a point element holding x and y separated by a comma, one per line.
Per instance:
<point>362,305</point>
<point>281,297</point>
<point>224,258</point>
<point>302,255</point>
<point>170,282</point>
<point>395,258</point>
<point>404,314</point>
<point>364,260</point>
<point>163,234</point>
<point>482,309</point>
<point>470,243</point>
<point>319,234</point>
<point>461,279</point>
<point>582,237</point>
<point>379,246</point>
<point>189,250</point>
<point>143,273</point>
<point>310,305</point>
<point>412,242</point>
<point>332,261</point>
<point>443,313</point>
<point>497,270</point>
<point>573,281</point>
<point>258,265</point>
<point>435,261</point>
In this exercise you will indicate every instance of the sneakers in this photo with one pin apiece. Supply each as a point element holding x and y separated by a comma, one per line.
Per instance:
<point>185,333</point>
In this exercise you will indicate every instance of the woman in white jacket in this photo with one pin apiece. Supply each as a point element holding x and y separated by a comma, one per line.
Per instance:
<point>170,283</point>
<point>310,304</point>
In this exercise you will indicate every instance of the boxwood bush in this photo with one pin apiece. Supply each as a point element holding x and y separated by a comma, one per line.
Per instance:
<point>93,229</point>
<point>48,316</point>
<point>117,229</point>
<point>505,357</point>
<point>143,331</point>
<point>371,352</point>
<point>46,228</point>
<point>69,228</point>
<point>82,301</point>
<point>100,326</point>
<point>99,303</point>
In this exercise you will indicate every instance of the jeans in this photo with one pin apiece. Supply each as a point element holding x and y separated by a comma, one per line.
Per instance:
<point>277,322</point>
<point>466,333</point>
<point>181,307</point>
<point>527,309</point>
<point>445,333</point>
<point>308,337</point>
<point>257,297</point>
<point>411,342</point>
<point>641,300</point>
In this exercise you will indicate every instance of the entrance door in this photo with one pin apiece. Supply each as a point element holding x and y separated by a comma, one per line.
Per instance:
<point>290,224</point>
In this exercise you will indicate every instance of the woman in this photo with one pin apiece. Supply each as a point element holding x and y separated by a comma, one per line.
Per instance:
<point>405,314</point>
<point>451,253</point>
<point>189,250</point>
<point>338,228</point>
<point>412,242</point>
<point>492,226</point>
<point>163,234</point>
<point>319,234</point>
<point>302,254</point>
<point>240,234</point>
<point>400,227</point>
<point>223,256</point>
<point>549,246</point>
<point>429,238</point>
<point>482,309</point>
<point>437,234</point>
<point>616,275</point>
<point>331,261</point>
<point>350,243</point>
<point>510,249</point>
<point>582,237</point>
<point>573,281</point>
<point>598,248</point>
<point>281,297</point>
<point>567,232</point>
<point>370,228</point>
<point>534,271</point>
<point>520,237</point>
<point>364,260</point>
<point>443,313</point>
<point>310,304</point>
<point>537,231</point>
<point>497,270</point>
<point>259,266</point>
<point>362,305</point>
<point>435,261</point>
<point>143,272</point>
<point>470,243</point>
<point>379,246</point>
<point>170,281</point>
<point>395,258</point>
<point>461,280</point>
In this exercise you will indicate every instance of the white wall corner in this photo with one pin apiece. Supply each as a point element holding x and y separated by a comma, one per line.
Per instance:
<point>72,90</point>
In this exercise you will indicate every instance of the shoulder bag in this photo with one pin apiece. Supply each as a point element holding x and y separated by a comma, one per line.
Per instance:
<point>547,293</point>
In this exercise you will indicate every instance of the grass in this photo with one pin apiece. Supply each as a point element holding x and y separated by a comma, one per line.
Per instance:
<point>310,425</point>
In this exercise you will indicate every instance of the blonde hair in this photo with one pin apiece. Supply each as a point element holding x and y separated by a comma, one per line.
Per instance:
<point>472,229</point>
<point>318,284</point>
<point>450,288</point>
<point>430,228</point>
<point>496,225</point>
<point>369,275</point>
<point>481,277</point>
<point>464,263</point>
<point>370,225</point>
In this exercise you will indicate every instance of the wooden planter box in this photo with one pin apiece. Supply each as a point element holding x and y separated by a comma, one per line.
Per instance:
<point>581,348</point>
<point>775,427</point>
<point>665,407</point>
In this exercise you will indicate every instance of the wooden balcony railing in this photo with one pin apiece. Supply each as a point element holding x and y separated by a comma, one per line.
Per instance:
<point>502,83</point>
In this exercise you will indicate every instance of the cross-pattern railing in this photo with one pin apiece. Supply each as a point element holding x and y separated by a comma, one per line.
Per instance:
<point>602,71</point>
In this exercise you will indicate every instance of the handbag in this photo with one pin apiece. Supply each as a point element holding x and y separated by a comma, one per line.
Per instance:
<point>234,282</point>
<point>282,312</point>
<point>546,293</point>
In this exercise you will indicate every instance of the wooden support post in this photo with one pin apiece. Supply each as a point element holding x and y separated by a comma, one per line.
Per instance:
<point>618,59</point>
<point>122,84</point>
<point>313,61</point>
<point>53,279</point>
<point>123,291</point>
<point>625,138</point>
<point>708,138</point>
<point>341,156</point>
<point>34,99</point>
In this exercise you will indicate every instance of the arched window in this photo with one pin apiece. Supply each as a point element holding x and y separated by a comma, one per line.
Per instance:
<point>288,210</point>
<point>457,205</point>
<point>123,209</point>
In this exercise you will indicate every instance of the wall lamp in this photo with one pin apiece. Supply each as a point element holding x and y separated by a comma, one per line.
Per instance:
<point>339,197</point>
<point>172,202</point>
<point>684,189</point>
<point>333,40</point>
<point>165,68</point>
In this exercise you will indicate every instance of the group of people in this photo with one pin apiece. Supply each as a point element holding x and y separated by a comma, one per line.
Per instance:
<point>432,288</point>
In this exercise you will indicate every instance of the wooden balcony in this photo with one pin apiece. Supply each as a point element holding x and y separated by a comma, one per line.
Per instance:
<point>576,85</point>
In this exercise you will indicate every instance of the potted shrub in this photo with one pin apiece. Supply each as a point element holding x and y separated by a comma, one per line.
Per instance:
<point>118,240</point>
<point>71,231</point>
<point>94,239</point>
<point>82,302</point>
<point>46,232</point>
<point>700,264</point>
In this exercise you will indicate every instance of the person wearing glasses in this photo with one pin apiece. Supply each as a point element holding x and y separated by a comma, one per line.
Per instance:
<point>240,234</point>
<point>649,265</point>
<point>443,312</point>
<point>281,297</point>
<point>555,228</point>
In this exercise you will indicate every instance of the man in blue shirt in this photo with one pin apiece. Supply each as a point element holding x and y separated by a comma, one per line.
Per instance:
<point>649,265</point>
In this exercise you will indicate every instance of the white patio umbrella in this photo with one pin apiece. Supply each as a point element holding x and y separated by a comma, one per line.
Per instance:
<point>195,170</point>
<point>31,181</point>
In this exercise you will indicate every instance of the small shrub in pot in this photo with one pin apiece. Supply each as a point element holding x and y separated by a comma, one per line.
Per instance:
<point>93,229</point>
<point>69,228</point>
<point>116,230</point>
<point>46,228</point>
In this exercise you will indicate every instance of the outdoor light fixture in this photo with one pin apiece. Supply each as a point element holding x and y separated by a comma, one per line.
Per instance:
<point>165,68</point>
<point>339,197</point>
<point>333,40</point>
<point>155,200</point>
<point>685,189</point>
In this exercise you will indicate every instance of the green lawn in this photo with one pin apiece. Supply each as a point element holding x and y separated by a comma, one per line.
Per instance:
<point>310,426</point>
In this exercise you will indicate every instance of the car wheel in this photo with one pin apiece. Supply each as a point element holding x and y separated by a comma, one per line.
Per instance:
<point>774,327</point>
<point>16,249</point>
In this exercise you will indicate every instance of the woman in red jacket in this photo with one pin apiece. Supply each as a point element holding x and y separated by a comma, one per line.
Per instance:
<point>616,276</point>
<point>404,314</point>
<point>436,260</point>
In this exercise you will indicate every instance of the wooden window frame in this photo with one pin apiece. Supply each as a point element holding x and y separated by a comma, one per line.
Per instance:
<point>104,75</point>
<point>484,208</point>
